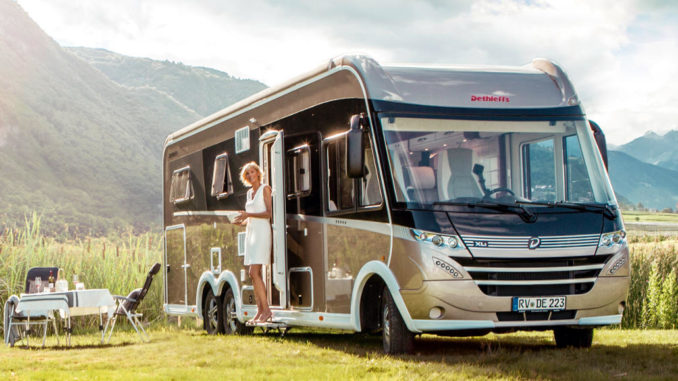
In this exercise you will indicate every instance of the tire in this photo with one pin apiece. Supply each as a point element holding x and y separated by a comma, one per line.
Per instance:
<point>573,337</point>
<point>396,338</point>
<point>212,314</point>
<point>230,323</point>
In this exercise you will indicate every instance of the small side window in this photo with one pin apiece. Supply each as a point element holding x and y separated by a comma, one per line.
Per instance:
<point>181,189</point>
<point>222,182</point>
<point>299,171</point>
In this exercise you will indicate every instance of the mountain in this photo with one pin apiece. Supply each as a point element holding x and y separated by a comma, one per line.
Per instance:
<point>654,149</point>
<point>79,148</point>
<point>202,90</point>
<point>636,181</point>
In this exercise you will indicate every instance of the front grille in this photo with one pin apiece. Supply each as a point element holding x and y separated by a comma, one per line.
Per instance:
<point>523,242</point>
<point>534,277</point>
<point>532,316</point>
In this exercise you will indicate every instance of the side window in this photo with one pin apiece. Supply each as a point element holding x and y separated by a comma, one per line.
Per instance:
<point>299,171</point>
<point>340,187</point>
<point>181,189</point>
<point>577,182</point>
<point>370,191</point>
<point>539,173</point>
<point>222,182</point>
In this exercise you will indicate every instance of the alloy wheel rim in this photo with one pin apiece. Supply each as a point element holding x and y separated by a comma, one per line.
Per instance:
<point>212,314</point>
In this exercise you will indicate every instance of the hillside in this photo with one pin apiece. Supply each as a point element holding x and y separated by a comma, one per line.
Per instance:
<point>202,90</point>
<point>654,149</point>
<point>635,181</point>
<point>75,146</point>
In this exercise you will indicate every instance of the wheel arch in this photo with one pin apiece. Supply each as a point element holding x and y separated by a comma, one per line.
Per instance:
<point>218,286</point>
<point>366,278</point>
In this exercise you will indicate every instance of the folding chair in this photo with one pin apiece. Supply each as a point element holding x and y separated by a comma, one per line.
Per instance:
<point>127,306</point>
<point>43,273</point>
<point>31,310</point>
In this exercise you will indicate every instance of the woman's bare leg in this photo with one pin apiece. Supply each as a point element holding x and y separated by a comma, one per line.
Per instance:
<point>263,311</point>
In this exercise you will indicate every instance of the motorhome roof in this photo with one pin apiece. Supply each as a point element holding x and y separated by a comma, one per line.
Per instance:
<point>540,84</point>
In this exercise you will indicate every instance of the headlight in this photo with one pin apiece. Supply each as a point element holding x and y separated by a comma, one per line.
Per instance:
<point>451,242</point>
<point>612,239</point>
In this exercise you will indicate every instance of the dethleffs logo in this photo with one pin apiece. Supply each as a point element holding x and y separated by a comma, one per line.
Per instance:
<point>490,98</point>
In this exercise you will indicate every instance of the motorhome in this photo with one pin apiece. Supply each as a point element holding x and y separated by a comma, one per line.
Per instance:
<point>443,200</point>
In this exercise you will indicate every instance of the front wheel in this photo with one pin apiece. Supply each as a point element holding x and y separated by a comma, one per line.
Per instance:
<point>573,337</point>
<point>212,314</point>
<point>395,335</point>
<point>231,324</point>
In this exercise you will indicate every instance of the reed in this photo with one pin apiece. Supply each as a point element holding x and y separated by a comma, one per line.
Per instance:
<point>653,294</point>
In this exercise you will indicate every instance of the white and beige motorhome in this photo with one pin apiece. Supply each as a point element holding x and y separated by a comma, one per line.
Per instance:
<point>406,200</point>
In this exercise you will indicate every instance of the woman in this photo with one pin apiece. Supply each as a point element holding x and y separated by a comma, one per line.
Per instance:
<point>257,216</point>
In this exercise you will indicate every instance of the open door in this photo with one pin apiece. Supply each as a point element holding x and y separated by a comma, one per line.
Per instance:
<point>272,161</point>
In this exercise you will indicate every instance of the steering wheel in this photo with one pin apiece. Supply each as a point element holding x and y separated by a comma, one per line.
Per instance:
<point>500,189</point>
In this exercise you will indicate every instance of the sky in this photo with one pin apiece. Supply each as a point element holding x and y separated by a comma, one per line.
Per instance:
<point>621,55</point>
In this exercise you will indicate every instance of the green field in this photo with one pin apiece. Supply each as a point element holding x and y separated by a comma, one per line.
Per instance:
<point>636,216</point>
<point>188,354</point>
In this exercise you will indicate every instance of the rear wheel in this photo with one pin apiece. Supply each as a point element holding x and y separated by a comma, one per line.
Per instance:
<point>231,324</point>
<point>395,335</point>
<point>212,314</point>
<point>573,337</point>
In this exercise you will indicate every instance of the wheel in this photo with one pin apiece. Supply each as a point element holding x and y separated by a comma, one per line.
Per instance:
<point>212,314</point>
<point>573,337</point>
<point>231,325</point>
<point>395,335</point>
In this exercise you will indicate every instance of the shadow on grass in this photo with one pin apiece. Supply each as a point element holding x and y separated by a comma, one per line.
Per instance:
<point>63,347</point>
<point>530,356</point>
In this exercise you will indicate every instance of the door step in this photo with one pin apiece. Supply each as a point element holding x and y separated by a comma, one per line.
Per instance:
<point>268,326</point>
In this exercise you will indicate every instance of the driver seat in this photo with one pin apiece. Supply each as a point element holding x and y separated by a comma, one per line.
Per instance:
<point>456,164</point>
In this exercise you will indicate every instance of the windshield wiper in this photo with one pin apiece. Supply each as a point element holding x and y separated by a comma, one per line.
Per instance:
<point>608,210</point>
<point>524,213</point>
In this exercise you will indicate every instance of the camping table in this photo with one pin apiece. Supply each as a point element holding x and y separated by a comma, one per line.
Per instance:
<point>80,303</point>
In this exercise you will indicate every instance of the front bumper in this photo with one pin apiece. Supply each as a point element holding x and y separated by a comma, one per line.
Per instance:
<point>466,307</point>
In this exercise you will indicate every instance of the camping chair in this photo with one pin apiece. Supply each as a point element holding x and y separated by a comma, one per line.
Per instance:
<point>31,310</point>
<point>43,273</point>
<point>127,306</point>
<point>33,313</point>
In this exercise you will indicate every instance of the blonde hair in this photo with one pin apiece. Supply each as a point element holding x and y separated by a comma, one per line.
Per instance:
<point>244,169</point>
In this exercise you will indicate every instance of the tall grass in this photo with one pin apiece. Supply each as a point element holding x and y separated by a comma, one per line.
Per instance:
<point>119,264</point>
<point>653,295</point>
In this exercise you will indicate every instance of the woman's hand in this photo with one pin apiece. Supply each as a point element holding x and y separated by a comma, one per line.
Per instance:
<point>241,218</point>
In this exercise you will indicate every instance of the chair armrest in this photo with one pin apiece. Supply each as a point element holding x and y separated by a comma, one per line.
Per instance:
<point>120,297</point>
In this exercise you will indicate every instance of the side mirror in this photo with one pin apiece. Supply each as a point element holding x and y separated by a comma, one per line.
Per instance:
<point>355,146</point>
<point>600,140</point>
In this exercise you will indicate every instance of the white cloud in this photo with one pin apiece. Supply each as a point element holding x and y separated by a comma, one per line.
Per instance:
<point>619,54</point>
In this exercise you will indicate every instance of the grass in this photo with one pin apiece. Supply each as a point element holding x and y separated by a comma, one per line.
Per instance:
<point>178,354</point>
<point>638,216</point>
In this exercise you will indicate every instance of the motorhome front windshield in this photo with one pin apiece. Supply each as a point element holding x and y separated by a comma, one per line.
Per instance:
<point>449,161</point>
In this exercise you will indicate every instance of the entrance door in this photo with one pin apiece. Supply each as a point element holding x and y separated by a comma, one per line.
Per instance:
<point>176,293</point>
<point>271,158</point>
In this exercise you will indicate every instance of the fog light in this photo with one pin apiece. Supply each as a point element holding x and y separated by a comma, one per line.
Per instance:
<point>435,313</point>
<point>621,307</point>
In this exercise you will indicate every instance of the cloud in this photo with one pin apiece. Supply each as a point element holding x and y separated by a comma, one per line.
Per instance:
<point>617,53</point>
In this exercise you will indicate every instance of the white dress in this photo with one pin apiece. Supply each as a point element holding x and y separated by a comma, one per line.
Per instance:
<point>258,238</point>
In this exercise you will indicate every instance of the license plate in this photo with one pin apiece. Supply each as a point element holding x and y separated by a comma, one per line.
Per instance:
<point>535,304</point>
